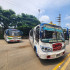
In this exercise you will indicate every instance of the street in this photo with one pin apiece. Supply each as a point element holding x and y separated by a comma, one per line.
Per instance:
<point>21,56</point>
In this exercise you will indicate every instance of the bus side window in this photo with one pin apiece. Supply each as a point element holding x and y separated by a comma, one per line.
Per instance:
<point>7,32</point>
<point>37,34</point>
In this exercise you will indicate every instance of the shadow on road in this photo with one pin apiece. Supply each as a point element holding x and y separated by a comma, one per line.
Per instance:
<point>52,61</point>
<point>15,42</point>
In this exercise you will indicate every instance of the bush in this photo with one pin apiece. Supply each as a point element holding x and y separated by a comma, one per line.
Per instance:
<point>1,36</point>
<point>25,31</point>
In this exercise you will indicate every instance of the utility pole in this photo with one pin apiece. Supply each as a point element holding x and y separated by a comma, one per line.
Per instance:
<point>59,20</point>
<point>39,13</point>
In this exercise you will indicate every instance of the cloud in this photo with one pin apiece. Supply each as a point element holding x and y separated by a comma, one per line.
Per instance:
<point>68,25</point>
<point>44,18</point>
<point>32,6</point>
<point>67,17</point>
<point>23,6</point>
<point>57,3</point>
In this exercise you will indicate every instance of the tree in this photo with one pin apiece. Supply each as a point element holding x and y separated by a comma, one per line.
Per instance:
<point>23,22</point>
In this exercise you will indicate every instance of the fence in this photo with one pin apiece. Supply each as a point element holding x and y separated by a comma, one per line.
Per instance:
<point>1,33</point>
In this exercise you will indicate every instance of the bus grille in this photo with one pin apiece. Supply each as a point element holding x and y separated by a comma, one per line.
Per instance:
<point>57,46</point>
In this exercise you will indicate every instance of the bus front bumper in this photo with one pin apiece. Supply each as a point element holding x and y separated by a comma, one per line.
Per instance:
<point>51,55</point>
<point>12,40</point>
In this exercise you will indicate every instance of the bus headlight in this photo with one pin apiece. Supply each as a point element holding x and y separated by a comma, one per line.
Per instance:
<point>46,49</point>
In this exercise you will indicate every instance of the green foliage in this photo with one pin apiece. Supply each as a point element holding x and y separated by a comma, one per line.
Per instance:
<point>25,30</point>
<point>1,36</point>
<point>23,22</point>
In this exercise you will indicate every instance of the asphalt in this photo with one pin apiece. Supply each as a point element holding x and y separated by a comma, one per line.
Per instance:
<point>21,56</point>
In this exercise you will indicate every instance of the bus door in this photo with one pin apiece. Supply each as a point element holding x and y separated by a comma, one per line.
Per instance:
<point>37,35</point>
<point>31,37</point>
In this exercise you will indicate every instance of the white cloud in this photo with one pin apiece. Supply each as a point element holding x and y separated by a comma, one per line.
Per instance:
<point>23,6</point>
<point>67,17</point>
<point>32,6</point>
<point>44,18</point>
<point>68,25</point>
<point>58,3</point>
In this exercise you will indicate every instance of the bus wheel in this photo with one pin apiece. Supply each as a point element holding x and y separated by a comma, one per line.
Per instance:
<point>35,51</point>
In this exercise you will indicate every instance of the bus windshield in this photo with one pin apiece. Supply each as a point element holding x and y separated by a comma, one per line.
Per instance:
<point>52,34</point>
<point>14,33</point>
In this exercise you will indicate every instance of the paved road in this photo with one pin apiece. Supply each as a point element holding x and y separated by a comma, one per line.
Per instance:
<point>20,56</point>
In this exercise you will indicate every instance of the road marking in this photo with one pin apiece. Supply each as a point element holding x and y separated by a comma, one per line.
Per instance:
<point>61,62</point>
<point>65,65</point>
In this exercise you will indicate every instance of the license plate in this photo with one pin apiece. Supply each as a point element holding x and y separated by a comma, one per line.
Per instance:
<point>15,37</point>
<point>57,55</point>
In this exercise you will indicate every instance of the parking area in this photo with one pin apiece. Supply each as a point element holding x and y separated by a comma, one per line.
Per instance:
<point>21,56</point>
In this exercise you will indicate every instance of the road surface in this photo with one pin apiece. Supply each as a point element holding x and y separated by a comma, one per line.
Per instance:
<point>21,56</point>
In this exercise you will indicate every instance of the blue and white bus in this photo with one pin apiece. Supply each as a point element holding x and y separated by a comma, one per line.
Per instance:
<point>48,41</point>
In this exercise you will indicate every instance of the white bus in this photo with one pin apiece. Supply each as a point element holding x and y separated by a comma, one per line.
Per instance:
<point>48,41</point>
<point>12,35</point>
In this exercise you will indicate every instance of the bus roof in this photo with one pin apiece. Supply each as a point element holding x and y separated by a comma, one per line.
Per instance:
<point>12,29</point>
<point>49,24</point>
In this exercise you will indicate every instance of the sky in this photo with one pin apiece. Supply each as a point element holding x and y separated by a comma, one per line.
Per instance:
<point>49,9</point>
